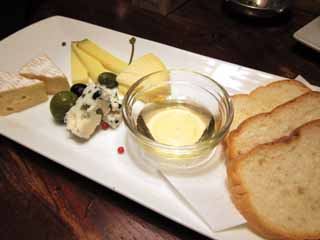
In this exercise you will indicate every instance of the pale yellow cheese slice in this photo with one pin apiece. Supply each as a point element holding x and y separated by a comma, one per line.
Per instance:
<point>108,60</point>
<point>141,67</point>
<point>93,66</point>
<point>79,73</point>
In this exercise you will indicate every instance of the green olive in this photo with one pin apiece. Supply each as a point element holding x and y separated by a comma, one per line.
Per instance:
<point>60,104</point>
<point>108,79</point>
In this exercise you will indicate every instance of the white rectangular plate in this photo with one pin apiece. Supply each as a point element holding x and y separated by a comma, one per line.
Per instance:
<point>310,34</point>
<point>97,159</point>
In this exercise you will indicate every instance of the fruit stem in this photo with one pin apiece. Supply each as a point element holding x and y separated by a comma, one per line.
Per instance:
<point>132,42</point>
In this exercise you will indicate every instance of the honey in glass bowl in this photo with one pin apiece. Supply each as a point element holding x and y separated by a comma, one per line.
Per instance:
<point>177,117</point>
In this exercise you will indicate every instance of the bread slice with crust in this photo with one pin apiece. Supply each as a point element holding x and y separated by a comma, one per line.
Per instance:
<point>264,99</point>
<point>267,127</point>
<point>276,185</point>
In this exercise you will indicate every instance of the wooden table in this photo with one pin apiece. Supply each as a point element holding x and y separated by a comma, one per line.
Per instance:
<point>42,200</point>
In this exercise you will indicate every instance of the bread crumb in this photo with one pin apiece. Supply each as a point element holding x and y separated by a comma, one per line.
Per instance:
<point>300,190</point>
<point>261,161</point>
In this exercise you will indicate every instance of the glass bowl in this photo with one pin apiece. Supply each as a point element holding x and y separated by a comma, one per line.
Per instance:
<point>177,117</point>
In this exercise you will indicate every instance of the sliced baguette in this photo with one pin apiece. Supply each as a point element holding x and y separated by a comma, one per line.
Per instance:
<point>44,69</point>
<point>276,185</point>
<point>264,99</point>
<point>266,127</point>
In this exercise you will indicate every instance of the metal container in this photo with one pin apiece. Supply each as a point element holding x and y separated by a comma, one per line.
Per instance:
<point>260,8</point>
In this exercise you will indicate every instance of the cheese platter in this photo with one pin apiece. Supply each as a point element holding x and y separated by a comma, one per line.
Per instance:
<point>102,156</point>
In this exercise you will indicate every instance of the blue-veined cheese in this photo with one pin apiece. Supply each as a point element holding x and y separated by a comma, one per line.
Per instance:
<point>93,106</point>
<point>113,119</point>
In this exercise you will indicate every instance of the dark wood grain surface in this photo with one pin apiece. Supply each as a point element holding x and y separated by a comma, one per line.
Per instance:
<point>42,200</point>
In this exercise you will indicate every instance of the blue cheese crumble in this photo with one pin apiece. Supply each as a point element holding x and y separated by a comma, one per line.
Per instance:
<point>97,103</point>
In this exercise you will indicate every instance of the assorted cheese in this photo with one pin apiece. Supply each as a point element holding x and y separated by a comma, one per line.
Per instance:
<point>141,67</point>
<point>18,93</point>
<point>79,73</point>
<point>94,67</point>
<point>108,60</point>
<point>96,104</point>
<point>43,68</point>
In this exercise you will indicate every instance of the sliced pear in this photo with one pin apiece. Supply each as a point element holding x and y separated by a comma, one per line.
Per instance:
<point>108,60</point>
<point>94,67</point>
<point>141,67</point>
<point>79,73</point>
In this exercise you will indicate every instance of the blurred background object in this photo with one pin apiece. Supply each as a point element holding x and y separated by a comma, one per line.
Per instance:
<point>163,7</point>
<point>260,8</point>
<point>310,34</point>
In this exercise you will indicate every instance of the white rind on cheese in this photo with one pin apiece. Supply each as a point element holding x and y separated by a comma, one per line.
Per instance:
<point>18,93</point>
<point>42,65</point>
<point>44,69</point>
<point>11,81</point>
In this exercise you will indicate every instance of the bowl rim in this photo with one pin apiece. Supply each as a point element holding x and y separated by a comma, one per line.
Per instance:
<point>248,6</point>
<point>186,148</point>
